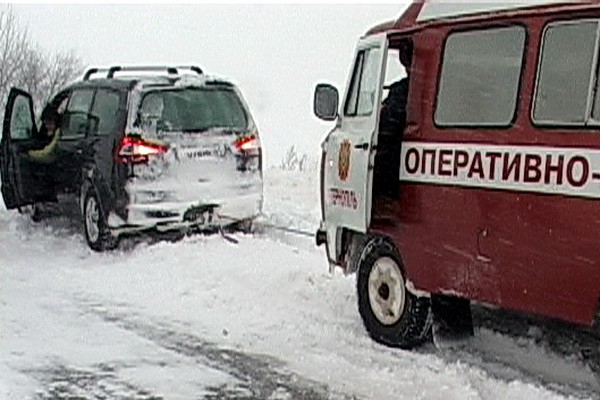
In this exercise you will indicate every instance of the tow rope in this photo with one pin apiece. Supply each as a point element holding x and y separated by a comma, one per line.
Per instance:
<point>295,231</point>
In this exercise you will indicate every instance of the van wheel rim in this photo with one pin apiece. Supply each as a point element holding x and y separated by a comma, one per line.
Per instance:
<point>387,293</point>
<point>92,218</point>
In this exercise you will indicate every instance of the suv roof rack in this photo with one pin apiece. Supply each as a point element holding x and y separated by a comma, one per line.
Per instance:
<point>171,70</point>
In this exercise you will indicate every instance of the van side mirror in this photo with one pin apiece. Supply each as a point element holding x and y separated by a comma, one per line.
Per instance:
<point>326,102</point>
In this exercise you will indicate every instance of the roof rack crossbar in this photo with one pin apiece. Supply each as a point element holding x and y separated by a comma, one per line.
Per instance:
<point>93,71</point>
<point>192,68</point>
<point>116,68</point>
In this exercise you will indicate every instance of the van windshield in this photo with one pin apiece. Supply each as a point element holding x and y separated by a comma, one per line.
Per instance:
<point>192,110</point>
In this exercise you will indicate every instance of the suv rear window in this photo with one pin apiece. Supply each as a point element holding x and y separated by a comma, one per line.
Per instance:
<point>192,110</point>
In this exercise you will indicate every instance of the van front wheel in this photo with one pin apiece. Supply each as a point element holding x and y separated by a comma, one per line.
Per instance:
<point>391,314</point>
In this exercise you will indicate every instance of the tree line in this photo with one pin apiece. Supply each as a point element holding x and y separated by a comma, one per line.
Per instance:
<point>23,64</point>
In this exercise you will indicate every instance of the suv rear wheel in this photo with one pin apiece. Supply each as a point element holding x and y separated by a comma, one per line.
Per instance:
<point>97,233</point>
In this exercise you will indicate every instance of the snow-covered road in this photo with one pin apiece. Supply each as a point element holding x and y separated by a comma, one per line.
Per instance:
<point>205,318</point>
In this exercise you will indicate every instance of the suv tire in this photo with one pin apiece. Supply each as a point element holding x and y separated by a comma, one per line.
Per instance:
<point>391,314</point>
<point>97,233</point>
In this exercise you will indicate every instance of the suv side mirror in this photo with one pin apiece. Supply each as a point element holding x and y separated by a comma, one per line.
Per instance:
<point>326,102</point>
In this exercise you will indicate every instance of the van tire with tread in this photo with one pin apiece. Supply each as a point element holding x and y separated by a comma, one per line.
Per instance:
<point>97,233</point>
<point>391,314</point>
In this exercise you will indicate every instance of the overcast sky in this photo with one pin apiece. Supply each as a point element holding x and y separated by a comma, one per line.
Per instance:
<point>276,53</point>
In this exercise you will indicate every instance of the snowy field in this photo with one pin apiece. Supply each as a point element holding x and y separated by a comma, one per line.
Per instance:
<point>204,318</point>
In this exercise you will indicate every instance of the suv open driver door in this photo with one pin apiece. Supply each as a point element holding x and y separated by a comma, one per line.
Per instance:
<point>349,149</point>
<point>17,136</point>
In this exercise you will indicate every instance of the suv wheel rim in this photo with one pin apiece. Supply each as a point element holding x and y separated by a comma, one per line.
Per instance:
<point>387,294</point>
<point>92,217</point>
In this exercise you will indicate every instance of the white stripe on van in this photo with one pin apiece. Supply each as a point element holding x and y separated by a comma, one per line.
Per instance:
<point>555,170</point>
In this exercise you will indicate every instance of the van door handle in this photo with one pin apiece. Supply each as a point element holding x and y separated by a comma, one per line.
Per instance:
<point>362,146</point>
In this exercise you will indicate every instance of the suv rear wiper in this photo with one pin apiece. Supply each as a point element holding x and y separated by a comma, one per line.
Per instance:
<point>215,130</point>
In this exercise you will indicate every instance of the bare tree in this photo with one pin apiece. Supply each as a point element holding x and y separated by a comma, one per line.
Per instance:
<point>290,160</point>
<point>61,69</point>
<point>24,65</point>
<point>42,75</point>
<point>14,42</point>
<point>30,75</point>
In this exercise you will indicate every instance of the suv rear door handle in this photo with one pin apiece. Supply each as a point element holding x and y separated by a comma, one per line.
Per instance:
<point>362,146</point>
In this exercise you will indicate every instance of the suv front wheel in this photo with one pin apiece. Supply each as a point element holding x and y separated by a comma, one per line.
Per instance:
<point>97,233</point>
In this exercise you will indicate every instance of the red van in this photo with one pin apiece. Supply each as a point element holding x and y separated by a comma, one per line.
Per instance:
<point>465,166</point>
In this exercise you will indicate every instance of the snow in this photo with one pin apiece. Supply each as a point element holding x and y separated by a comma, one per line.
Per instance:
<point>205,318</point>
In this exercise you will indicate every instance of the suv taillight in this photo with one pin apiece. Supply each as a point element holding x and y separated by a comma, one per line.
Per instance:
<point>135,150</point>
<point>248,144</point>
<point>248,153</point>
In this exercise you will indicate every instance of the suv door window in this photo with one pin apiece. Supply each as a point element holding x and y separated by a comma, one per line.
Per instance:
<point>364,85</point>
<point>21,123</point>
<point>77,118</point>
<point>104,111</point>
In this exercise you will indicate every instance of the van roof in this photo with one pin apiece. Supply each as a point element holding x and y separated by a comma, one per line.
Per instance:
<point>422,13</point>
<point>444,9</point>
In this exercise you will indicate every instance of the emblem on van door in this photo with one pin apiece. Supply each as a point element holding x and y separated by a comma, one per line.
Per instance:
<point>344,160</point>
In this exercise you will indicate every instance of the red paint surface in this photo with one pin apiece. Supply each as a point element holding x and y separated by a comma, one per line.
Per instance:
<point>517,250</point>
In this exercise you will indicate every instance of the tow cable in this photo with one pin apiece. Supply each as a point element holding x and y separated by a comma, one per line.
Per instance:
<point>298,232</point>
<point>295,231</point>
<point>227,237</point>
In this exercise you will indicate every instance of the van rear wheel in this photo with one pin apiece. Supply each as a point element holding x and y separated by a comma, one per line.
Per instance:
<point>391,314</point>
<point>97,233</point>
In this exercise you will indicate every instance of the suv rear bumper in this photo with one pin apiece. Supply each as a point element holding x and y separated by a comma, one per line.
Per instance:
<point>187,215</point>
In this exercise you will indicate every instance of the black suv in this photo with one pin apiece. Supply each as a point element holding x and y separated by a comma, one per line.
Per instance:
<point>151,149</point>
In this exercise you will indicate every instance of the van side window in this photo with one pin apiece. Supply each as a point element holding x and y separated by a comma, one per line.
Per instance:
<point>394,71</point>
<point>566,74</point>
<point>480,76</point>
<point>76,120</point>
<point>105,108</point>
<point>363,87</point>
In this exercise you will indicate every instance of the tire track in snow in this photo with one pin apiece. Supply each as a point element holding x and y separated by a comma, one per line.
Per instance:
<point>101,382</point>
<point>258,376</point>
<point>518,347</point>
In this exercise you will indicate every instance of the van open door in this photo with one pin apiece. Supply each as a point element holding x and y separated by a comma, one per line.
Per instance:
<point>17,136</point>
<point>350,147</point>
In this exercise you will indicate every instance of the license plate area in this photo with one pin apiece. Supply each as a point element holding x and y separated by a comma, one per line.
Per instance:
<point>201,215</point>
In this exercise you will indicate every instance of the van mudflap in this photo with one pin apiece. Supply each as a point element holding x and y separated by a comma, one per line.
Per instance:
<point>452,321</point>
